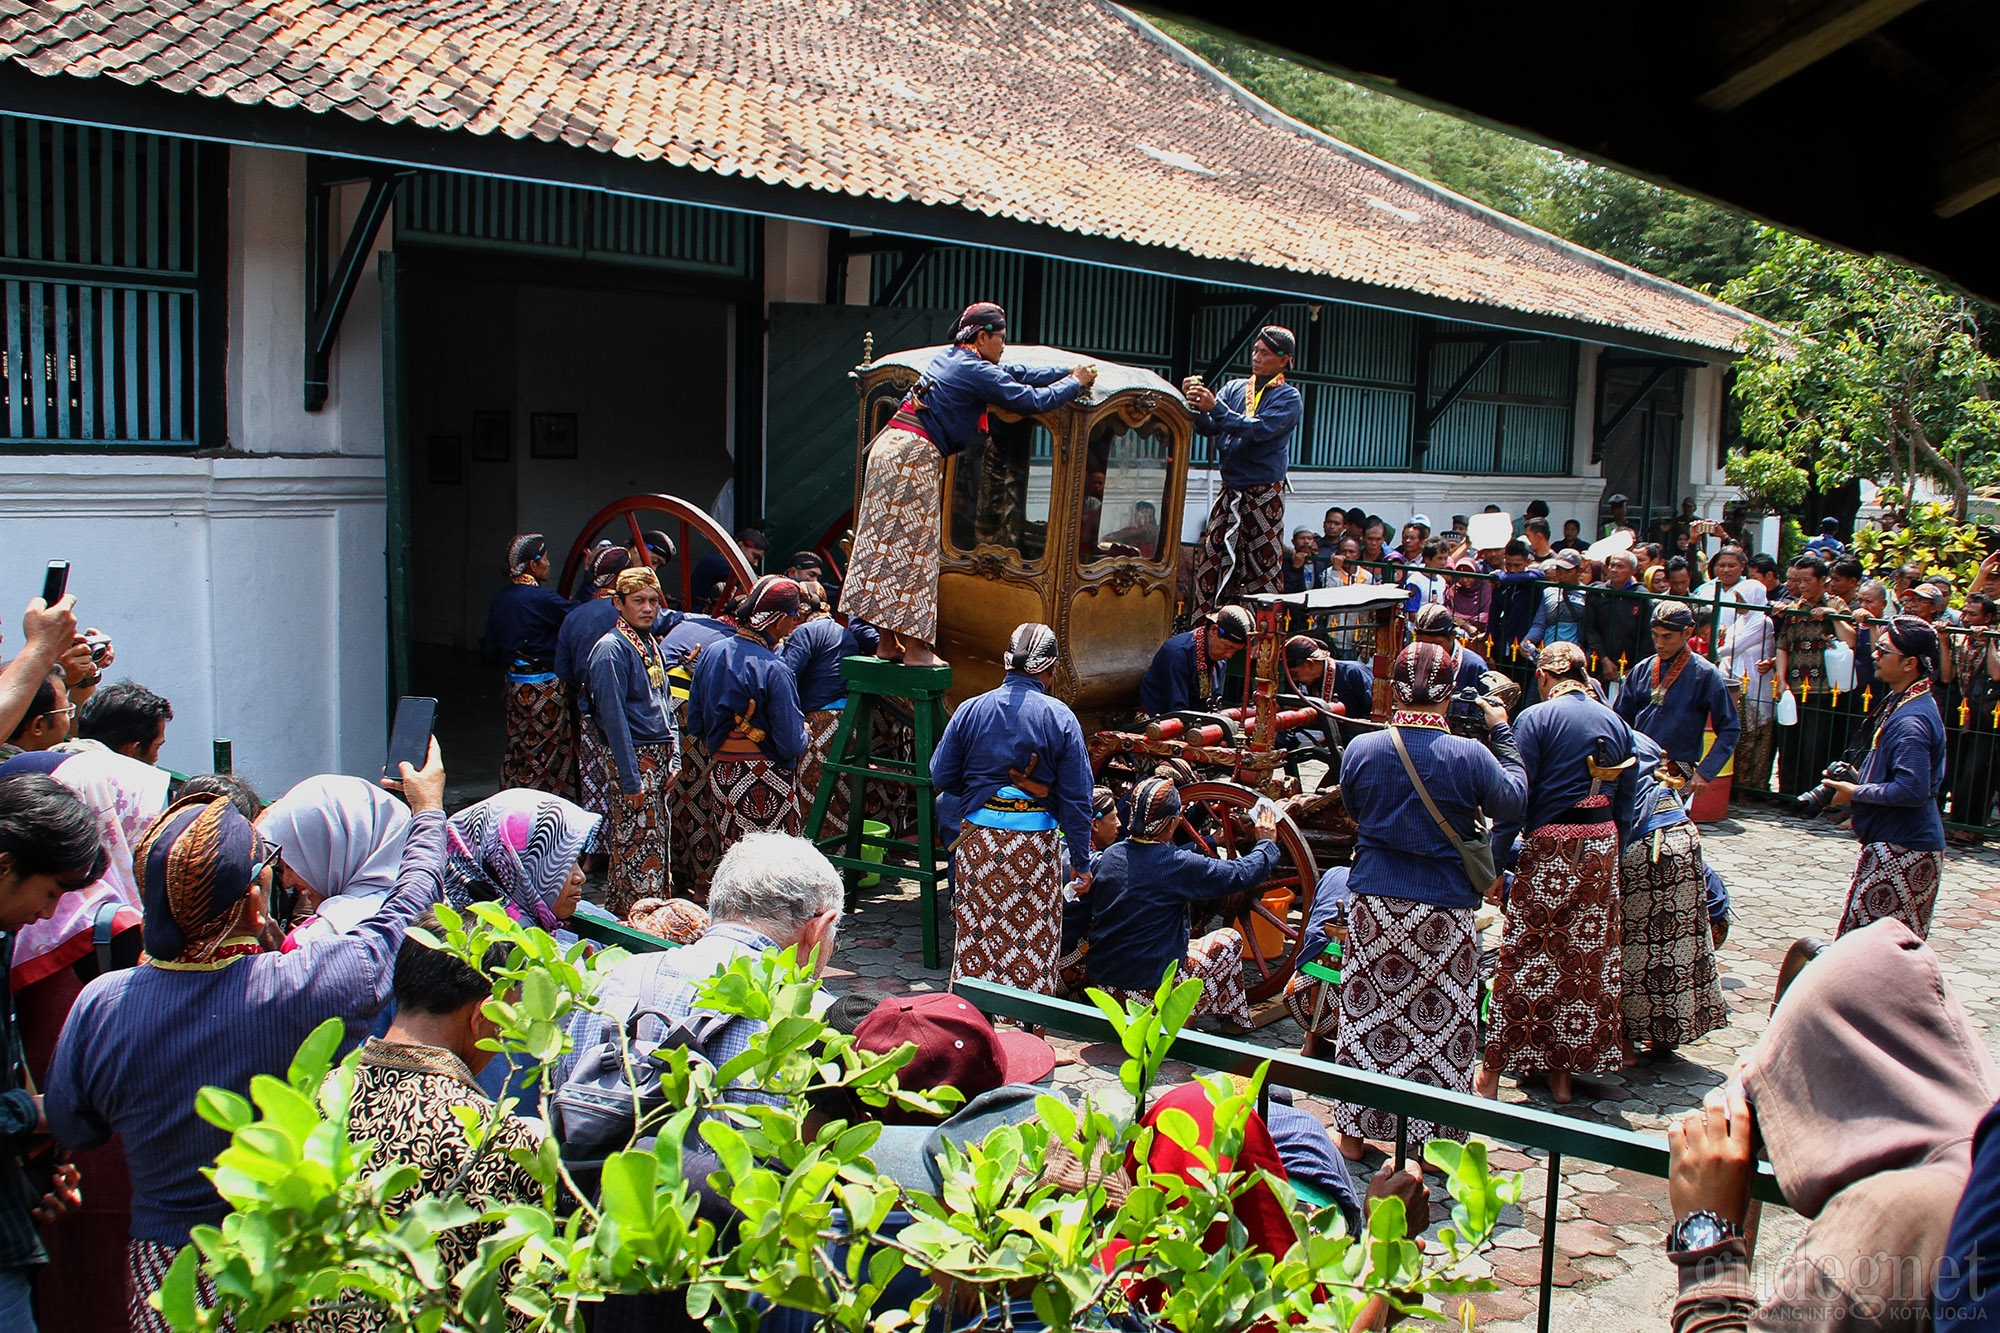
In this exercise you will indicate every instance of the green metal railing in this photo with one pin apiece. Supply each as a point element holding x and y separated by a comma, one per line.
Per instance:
<point>1524,1126</point>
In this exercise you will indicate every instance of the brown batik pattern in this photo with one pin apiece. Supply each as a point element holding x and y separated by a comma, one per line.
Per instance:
<point>748,795</point>
<point>1242,546</point>
<point>594,781</point>
<point>1890,880</point>
<point>1409,998</point>
<point>637,838</point>
<point>1556,1002</point>
<point>1673,994</point>
<point>539,750</point>
<point>148,1262</point>
<point>892,575</point>
<point>691,846</point>
<point>1006,907</point>
<point>1216,961</point>
<point>821,724</point>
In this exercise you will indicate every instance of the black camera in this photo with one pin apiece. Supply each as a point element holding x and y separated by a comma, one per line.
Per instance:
<point>1466,714</point>
<point>1819,798</point>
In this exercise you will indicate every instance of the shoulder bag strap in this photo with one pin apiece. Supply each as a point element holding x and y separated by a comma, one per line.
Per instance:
<point>1396,735</point>
<point>100,935</point>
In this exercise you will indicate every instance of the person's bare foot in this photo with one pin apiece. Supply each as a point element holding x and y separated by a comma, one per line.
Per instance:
<point>1487,1084</point>
<point>1629,1056</point>
<point>920,654</point>
<point>1352,1147</point>
<point>1562,1089</point>
<point>889,646</point>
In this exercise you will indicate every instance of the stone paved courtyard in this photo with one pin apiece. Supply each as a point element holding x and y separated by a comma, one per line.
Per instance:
<point>1787,879</point>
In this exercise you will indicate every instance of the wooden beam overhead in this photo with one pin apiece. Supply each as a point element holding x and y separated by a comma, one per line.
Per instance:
<point>1811,38</point>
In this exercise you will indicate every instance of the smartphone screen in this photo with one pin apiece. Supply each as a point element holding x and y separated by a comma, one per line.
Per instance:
<point>410,737</point>
<point>56,583</point>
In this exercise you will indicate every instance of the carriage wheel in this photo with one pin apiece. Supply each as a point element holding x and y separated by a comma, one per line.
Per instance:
<point>629,518</point>
<point>1217,817</point>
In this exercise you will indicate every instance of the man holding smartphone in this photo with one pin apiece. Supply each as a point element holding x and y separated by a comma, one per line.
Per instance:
<point>631,707</point>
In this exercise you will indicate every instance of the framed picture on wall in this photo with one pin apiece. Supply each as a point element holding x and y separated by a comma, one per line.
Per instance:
<point>445,460</point>
<point>552,435</point>
<point>492,436</point>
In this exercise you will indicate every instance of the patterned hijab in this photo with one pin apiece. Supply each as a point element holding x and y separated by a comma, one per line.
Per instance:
<point>518,847</point>
<point>1424,675</point>
<point>343,835</point>
<point>193,868</point>
<point>1156,804</point>
<point>1032,649</point>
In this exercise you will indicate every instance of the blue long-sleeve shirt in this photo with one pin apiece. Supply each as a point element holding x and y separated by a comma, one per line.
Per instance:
<point>1139,897</point>
<point>688,633</point>
<point>522,623</point>
<point>142,1042</point>
<point>1642,803</point>
<point>1252,451</point>
<point>1002,730</point>
<point>586,623</point>
<point>960,384</point>
<point>1697,697</point>
<point>1401,852</point>
<point>729,676</point>
<point>1896,799</point>
<point>628,710</point>
<point>1516,599</point>
<point>1557,737</point>
<point>813,652</point>
<point>1169,684</point>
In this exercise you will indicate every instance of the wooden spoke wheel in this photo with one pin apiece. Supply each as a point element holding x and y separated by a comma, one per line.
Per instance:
<point>627,522</point>
<point>1216,818</point>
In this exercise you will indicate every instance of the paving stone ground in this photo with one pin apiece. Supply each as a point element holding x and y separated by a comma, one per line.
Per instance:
<point>1787,878</point>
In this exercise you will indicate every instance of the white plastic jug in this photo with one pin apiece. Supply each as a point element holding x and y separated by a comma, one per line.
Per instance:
<point>1839,662</point>
<point>1788,709</point>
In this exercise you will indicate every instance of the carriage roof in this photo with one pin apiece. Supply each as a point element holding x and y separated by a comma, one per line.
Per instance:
<point>1112,378</point>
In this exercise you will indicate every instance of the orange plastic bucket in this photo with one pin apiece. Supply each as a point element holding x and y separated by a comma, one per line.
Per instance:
<point>1268,939</point>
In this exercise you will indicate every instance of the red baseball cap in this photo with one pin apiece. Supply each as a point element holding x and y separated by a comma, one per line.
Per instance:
<point>956,1048</point>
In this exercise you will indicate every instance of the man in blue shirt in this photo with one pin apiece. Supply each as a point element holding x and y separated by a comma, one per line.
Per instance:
<point>1828,544</point>
<point>1676,695</point>
<point>1188,670</point>
<point>1251,420</point>
<point>587,622</point>
<point>522,623</point>
<point>630,708</point>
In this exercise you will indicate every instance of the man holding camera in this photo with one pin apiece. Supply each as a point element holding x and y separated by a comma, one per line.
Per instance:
<point>1896,817</point>
<point>1675,695</point>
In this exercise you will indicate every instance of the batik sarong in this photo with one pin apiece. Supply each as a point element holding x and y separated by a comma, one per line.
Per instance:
<point>637,840</point>
<point>1753,756</point>
<point>895,737</point>
<point>821,724</point>
<point>1215,960</point>
<point>1556,995</point>
<point>692,849</point>
<point>1892,881</point>
<point>1409,1004</point>
<point>1672,992</point>
<point>1006,907</point>
<point>1242,546</point>
<point>893,574</point>
<point>595,781</point>
<point>149,1261</point>
<point>1306,995</point>
<point>539,752</point>
<point>747,793</point>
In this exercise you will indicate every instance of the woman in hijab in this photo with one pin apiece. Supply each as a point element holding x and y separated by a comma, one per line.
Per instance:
<point>1866,1087</point>
<point>341,840</point>
<point>520,848</point>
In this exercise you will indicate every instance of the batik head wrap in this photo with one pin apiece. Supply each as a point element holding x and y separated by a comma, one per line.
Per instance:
<point>1673,615</point>
<point>344,836</point>
<point>1424,675</point>
<point>1562,661</point>
<point>1032,649</point>
<point>1233,623</point>
<point>1301,649</point>
<point>607,564</point>
<point>1278,338</point>
<point>631,580</point>
<point>1102,802</point>
<point>1914,637</point>
<point>659,545</point>
<point>193,870</point>
<point>1177,771</point>
<point>1156,804</point>
<point>518,847</point>
<point>979,317</point>
<point>1431,618</point>
<point>769,600</point>
<point>525,550</point>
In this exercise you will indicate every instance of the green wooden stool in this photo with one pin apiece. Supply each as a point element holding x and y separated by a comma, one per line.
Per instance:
<point>852,755</point>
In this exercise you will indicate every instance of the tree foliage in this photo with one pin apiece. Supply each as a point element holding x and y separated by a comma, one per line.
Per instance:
<point>1879,372</point>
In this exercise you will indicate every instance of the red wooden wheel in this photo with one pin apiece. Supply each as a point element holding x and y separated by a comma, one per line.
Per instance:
<point>828,545</point>
<point>1216,816</point>
<point>679,520</point>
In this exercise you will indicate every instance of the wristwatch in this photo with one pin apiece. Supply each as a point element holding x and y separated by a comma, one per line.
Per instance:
<point>1699,1230</point>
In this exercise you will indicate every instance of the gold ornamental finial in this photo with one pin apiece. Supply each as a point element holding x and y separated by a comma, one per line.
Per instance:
<point>868,348</point>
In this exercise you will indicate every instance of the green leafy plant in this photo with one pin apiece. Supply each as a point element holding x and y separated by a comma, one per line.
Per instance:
<point>1928,536</point>
<point>321,1220</point>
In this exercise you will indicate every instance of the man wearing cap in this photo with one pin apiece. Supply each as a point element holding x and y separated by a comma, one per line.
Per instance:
<point>522,624</point>
<point>892,575</point>
<point>1243,542</point>
<point>1188,670</point>
<point>1616,505</point>
<point>630,707</point>
<point>1896,817</point>
<point>1828,544</point>
<point>1560,617</point>
<point>587,622</point>
<point>1805,628</point>
<point>1014,769</point>
<point>744,705</point>
<point>1676,695</point>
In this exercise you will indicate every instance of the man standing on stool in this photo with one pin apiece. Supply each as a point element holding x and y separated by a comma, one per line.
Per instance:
<point>628,700</point>
<point>893,574</point>
<point>1014,767</point>
<point>1675,695</point>
<point>1243,543</point>
<point>1896,817</point>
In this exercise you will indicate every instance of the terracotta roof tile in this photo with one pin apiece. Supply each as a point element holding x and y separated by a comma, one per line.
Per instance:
<point>1063,113</point>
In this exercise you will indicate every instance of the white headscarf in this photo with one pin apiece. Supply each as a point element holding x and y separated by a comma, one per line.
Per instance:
<point>344,836</point>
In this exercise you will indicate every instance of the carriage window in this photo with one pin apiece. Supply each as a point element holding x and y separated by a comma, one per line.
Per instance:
<point>1124,491</point>
<point>1000,495</point>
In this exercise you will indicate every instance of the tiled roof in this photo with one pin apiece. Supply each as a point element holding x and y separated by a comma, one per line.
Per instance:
<point>1064,113</point>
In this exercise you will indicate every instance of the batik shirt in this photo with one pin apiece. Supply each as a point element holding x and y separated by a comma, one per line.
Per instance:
<point>1804,639</point>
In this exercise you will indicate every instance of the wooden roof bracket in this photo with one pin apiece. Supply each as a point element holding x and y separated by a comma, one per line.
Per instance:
<point>328,291</point>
